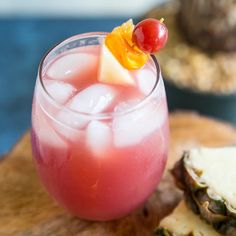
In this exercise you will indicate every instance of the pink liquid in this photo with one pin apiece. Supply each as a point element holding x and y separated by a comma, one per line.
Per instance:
<point>102,169</point>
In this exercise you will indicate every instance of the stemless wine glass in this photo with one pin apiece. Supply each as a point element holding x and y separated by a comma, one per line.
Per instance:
<point>97,165</point>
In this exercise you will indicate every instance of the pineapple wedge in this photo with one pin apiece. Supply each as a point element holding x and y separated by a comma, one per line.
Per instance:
<point>111,71</point>
<point>183,222</point>
<point>208,178</point>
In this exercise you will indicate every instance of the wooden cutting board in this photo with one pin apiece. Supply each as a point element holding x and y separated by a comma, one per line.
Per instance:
<point>27,210</point>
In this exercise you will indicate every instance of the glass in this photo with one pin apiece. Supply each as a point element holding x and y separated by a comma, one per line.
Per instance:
<point>90,181</point>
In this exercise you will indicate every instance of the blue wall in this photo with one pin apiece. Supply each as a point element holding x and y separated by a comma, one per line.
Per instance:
<point>23,42</point>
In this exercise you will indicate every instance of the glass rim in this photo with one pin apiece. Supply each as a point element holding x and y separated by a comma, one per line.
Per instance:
<point>101,115</point>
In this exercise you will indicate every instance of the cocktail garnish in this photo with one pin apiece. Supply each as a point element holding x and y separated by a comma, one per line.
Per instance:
<point>120,43</point>
<point>128,47</point>
<point>150,35</point>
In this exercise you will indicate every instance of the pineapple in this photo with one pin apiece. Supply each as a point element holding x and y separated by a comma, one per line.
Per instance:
<point>183,222</point>
<point>208,178</point>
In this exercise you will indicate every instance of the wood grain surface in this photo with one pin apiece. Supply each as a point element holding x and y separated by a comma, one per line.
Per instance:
<point>27,210</point>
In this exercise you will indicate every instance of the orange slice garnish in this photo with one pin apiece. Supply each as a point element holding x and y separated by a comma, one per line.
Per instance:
<point>119,42</point>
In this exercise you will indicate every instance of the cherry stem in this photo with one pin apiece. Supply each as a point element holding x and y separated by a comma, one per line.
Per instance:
<point>161,20</point>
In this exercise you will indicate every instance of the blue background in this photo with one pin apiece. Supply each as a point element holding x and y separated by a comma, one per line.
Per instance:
<point>23,43</point>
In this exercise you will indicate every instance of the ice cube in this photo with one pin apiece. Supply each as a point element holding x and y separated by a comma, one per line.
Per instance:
<point>124,106</point>
<point>69,133</point>
<point>71,65</point>
<point>72,119</point>
<point>94,99</point>
<point>43,127</point>
<point>52,148</point>
<point>60,91</point>
<point>146,79</point>
<point>98,137</point>
<point>131,128</point>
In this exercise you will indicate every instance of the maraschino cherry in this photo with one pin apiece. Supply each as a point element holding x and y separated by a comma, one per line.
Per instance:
<point>150,35</point>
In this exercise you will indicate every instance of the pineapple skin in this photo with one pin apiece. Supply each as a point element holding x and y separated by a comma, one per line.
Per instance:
<point>162,232</point>
<point>214,212</point>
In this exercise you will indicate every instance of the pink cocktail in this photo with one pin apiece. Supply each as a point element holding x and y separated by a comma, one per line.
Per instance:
<point>100,149</point>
